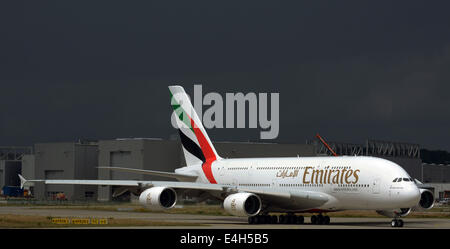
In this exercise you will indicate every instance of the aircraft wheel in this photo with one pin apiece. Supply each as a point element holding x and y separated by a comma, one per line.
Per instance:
<point>320,219</point>
<point>273,219</point>
<point>268,219</point>
<point>300,220</point>
<point>257,219</point>
<point>397,223</point>
<point>292,219</point>
<point>394,223</point>
<point>262,219</point>
<point>251,220</point>
<point>265,219</point>
<point>326,220</point>
<point>287,219</point>
<point>282,219</point>
<point>314,220</point>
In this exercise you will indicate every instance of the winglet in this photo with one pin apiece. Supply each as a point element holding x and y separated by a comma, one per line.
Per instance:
<point>22,181</point>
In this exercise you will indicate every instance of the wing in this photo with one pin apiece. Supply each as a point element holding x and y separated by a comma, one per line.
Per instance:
<point>292,199</point>
<point>178,176</point>
<point>130,183</point>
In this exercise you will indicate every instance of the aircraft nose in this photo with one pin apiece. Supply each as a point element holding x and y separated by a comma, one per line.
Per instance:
<point>410,196</point>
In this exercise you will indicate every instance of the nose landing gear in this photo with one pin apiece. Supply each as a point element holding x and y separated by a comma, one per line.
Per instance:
<point>397,223</point>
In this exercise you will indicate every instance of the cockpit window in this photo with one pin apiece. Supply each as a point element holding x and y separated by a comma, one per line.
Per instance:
<point>399,179</point>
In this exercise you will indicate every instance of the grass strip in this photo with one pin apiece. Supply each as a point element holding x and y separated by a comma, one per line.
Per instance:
<point>32,221</point>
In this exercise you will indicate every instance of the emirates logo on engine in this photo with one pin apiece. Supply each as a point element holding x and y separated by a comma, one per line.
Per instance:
<point>149,198</point>
<point>233,205</point>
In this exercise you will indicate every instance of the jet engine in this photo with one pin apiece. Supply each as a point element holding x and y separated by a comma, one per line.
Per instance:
<point>426,200</point>
<point>157,198</point>
<point>395,213</point>
<point>242,204</point>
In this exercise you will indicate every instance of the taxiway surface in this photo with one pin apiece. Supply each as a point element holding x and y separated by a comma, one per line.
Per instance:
<point>224,222</point>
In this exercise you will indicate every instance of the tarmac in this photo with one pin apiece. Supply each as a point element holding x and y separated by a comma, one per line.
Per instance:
<point>224,222</point>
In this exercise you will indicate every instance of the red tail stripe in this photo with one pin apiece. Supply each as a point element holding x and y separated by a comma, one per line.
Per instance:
<point>209,154</point>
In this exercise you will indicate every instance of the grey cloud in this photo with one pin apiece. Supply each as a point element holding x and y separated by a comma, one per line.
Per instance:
<point>375,69</point>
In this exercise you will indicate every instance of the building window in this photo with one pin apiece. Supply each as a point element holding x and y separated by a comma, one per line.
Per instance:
<point>89,194</point>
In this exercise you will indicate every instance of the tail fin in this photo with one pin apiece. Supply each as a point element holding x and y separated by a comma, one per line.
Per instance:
<point>22,181</point>
<point>197,146</point>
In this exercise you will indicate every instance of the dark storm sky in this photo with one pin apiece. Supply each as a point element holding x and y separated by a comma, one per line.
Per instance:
<point>350,70</point>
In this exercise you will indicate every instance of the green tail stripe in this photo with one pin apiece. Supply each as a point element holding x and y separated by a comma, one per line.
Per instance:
<point>179,111</point>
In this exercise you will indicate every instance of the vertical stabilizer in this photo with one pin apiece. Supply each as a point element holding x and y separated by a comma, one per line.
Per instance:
<point>197,146</point>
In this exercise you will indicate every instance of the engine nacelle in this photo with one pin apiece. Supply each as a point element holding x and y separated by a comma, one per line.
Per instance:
<point>158,198</point>
<point>426,200</point>
<point>395,213</point>
<point>242,204</point>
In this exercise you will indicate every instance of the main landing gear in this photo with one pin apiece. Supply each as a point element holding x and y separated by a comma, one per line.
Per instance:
<point>320,220</point>
<point>273,219</point>
<point>291,219</point>
<point>397,223</point>
<point>288,219</point>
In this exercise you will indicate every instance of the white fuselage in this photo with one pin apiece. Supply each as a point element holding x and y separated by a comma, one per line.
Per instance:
<point>356,182</point>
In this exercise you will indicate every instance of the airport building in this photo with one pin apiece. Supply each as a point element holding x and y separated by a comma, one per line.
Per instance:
<point>13,161</point>
<point>65,161</point>
<point>138,153</point>
<point>80,160</point>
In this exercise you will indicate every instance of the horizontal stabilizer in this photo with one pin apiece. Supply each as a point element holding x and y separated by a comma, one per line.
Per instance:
<point>22,181</point>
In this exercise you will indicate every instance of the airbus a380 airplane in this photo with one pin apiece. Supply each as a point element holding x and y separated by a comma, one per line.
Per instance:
<point>255,187</point>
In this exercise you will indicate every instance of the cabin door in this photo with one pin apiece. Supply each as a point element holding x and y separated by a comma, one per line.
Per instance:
<point>376,186</point>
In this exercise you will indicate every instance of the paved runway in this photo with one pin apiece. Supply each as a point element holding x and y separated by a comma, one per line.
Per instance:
<point>226,222</point>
